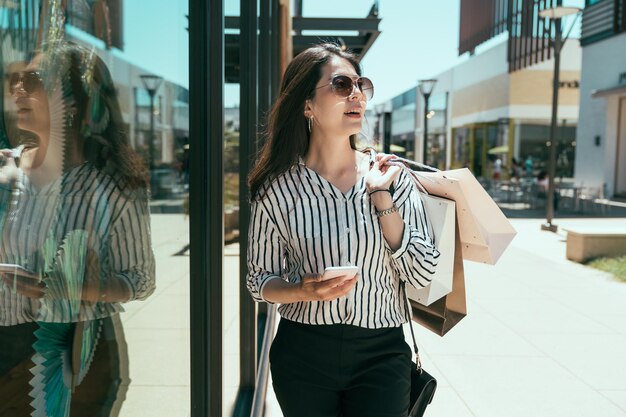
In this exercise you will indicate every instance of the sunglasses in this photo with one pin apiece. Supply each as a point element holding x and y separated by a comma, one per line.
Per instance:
<point>343,86</point>
<point>31,81</point>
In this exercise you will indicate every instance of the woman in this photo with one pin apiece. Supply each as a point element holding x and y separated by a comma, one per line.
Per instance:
<point>77,226</point>
<point>317,203</point>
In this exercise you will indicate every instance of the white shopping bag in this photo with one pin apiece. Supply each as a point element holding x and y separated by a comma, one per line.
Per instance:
<point>441,216</point>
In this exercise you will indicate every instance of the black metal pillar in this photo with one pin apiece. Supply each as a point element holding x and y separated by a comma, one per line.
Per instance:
<point>247,139</point>
<point>265,79</point>
<point>206,94</point>
<point>275,51</point>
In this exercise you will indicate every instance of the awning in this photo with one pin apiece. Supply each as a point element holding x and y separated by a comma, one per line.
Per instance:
<point>618,90</point>
<point>498,150</point>
<point>356,34</point>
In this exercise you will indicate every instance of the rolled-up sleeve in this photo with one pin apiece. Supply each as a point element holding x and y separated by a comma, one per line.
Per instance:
<point>265,255</point>
<point>131,249</point>
<point>416,259</point>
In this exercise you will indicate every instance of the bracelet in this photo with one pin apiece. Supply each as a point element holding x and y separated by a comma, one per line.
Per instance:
<point>387,212</point>
<point>379,190</point>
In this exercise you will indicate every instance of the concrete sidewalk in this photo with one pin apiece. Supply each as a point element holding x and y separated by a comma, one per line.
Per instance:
<point>544,336</point>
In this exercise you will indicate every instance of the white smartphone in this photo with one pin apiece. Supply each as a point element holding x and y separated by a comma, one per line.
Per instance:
<point>14,269</point>
<point>338,271</point>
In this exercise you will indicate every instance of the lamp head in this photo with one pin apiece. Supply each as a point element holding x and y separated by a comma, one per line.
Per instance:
<point>426,87</point>
<point>151,82</point>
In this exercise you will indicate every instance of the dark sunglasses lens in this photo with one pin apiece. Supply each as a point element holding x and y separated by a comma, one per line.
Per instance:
<point>342,85</point>
<point>32,82</point>
<point>366,87</point>
<point>14,79</point>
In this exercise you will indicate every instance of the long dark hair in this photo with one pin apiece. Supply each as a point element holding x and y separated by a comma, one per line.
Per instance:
<point>287,136</point>
<point>97,128</point>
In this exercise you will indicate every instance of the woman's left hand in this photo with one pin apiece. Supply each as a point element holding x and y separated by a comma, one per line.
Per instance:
<point>381,174</point>
<point>26,283</point>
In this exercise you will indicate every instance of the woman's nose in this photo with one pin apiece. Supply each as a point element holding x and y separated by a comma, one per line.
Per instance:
<point>18,89</point>
<point>356,95</point>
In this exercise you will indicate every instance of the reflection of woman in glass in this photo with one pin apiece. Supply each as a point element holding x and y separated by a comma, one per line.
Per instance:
<point>76,227</point>
<point>319,203</point>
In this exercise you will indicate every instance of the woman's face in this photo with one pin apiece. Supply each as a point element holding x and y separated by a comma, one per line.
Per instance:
<point>332,114</point>
<point>30,99</point>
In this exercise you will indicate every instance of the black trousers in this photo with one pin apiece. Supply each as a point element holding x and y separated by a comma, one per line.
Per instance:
<point>340,370</point>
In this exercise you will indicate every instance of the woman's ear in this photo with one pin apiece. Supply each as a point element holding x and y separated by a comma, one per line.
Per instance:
<point>308,111</point>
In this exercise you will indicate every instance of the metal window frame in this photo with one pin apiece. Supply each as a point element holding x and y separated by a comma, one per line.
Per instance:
<point>206,122</point>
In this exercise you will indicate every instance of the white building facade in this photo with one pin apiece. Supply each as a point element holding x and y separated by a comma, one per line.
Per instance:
<point>601,137</point>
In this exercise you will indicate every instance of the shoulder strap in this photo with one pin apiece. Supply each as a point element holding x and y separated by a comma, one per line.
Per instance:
<point>418,362</point>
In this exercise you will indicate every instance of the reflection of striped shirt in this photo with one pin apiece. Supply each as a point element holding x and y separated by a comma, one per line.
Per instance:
<point>304,224</point>
<point>116,227</point>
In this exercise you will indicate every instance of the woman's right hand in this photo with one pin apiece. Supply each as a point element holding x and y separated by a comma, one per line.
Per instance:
<point>313,288</point>
<point>8,168</point>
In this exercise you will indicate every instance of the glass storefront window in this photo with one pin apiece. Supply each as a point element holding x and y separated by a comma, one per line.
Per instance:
<point>94,239</point>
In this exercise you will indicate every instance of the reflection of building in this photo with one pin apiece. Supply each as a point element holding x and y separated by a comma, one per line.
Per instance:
<point>171,105</point>
<point>601,137</point>
<point>100,18</point>
<point>98,24</point>
<point>479,110</point>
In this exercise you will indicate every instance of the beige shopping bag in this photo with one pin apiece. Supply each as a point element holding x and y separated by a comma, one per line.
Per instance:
<point>442,219</point>
<point>445,313</point>
<point>484,230</point>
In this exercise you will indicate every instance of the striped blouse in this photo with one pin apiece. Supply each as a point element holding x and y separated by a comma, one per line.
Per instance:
<point>302,224</point>
<point>83,216</point>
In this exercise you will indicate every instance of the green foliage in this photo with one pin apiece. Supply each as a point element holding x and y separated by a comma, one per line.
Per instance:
<point>231,152</point>
<point>615,266</point>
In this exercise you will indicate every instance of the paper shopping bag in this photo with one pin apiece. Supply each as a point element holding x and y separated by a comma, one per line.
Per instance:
<point>445,313</point>
<point>484,230</point>
<point>442,218</point>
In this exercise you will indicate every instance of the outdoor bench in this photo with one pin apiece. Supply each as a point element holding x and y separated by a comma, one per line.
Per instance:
<point>586,243</point>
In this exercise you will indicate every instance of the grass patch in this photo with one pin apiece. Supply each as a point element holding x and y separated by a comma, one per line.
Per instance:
<point>615,266</point>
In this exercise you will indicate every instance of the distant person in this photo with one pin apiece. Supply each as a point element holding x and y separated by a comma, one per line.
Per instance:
<point>317,202</point>
<point>497,169</point>
<point>514,172</point>
<point>528,166</point>
<point>543,185</point>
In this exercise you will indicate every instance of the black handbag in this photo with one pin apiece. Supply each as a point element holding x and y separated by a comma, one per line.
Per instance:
<point>423,384</point>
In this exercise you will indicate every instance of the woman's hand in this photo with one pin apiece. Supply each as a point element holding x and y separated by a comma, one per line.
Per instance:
<point>381,174</point>
<point>310,288</point>
<point>313,288</point>
<point>8,168</point>
<point>26,283</point>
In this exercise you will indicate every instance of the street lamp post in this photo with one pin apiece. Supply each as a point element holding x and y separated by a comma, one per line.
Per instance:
<point>426,88</point>
<point>151,83</point>
<point>555,14</point>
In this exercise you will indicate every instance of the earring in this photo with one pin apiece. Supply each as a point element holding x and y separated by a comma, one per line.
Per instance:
<point>309,123</point>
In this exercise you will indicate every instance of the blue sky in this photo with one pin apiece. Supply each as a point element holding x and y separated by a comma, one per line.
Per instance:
<point>156,39</point>
<point>419,39</point>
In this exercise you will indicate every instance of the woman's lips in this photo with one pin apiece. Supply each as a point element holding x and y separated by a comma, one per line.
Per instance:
<point>354,115</point>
